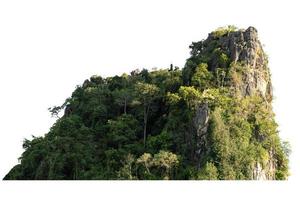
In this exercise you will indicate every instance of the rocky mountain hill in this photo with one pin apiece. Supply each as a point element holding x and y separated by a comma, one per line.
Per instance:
<point>210,120</point>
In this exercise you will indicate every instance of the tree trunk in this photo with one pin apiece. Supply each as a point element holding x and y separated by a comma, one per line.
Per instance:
<point>146,113</point>
<point>145,124</point>
<point>125,106</point>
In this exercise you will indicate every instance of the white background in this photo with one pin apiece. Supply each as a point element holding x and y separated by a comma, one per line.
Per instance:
<point>49,47</point>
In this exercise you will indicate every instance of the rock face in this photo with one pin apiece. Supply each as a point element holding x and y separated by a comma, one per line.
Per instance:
<point>200,123</point>
<point>258,172</point>
<point>245,54</point>
<point>245,49</point>
<point>267,172</point>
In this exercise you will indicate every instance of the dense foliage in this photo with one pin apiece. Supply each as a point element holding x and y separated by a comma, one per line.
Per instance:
<point>139,126</point>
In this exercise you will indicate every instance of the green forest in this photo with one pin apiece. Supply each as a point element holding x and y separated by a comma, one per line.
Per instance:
<point>211,119</point>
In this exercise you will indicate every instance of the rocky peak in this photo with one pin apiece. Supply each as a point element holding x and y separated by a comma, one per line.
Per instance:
<point>245,49</point>
<point>228,48</point>
<point>243,46</point>
<point>240,55</point>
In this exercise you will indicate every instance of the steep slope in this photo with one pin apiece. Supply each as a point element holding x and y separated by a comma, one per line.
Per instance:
<point>211,120</point>
<point>240,64</point>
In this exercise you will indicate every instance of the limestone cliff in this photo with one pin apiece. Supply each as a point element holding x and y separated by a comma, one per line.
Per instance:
<point>245,71</point>
<point>242,49</point>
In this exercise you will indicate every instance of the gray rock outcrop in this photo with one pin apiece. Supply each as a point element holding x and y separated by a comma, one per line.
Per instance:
<point>245,49</point>
<point>245,52</point>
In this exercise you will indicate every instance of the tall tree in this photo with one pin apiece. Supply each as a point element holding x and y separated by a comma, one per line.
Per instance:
<point>122,97</point>
<point>146,94</point>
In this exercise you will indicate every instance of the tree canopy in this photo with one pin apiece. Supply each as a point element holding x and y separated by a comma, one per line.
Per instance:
<point>141,126</point>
